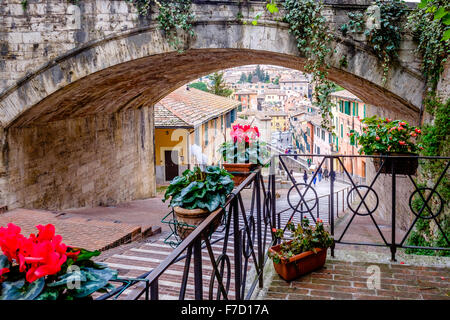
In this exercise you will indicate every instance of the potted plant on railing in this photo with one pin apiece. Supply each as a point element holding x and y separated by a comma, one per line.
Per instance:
<point>43,268</point>
<point>305,251</point>
<point>244,153</point>
<point>196,194</point>
<point>383,136</point>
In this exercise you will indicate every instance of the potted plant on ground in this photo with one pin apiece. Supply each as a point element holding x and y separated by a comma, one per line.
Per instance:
<point>304,252</point>
<point>196,194</point>
<point>244,153</point>
<point>383,136</point>
<point>43,268</point>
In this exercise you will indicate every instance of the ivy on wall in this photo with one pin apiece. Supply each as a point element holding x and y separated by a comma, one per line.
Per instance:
<point>173,16</point>
<point>430,25</point>
<point>384,39</point>
<point>313,37</point>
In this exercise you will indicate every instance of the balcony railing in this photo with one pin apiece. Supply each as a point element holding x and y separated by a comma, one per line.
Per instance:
<point>229,264</point>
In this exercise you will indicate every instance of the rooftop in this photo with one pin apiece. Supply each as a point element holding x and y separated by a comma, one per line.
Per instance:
<point>190,108</point>
<point>346,95</point>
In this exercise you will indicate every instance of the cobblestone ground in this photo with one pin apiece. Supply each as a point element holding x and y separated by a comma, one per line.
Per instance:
<point>346,280</point>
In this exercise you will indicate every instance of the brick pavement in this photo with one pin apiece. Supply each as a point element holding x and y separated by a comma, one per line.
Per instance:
<point>87,233</point>
<point>346,280</point>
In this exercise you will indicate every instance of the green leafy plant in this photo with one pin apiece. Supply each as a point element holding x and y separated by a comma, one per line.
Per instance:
<point>245,146</point>
<point>43,268</point>
<point>382,135</point>
<point>430,25</point>
<point>303,238</point>
<point>385,41</point>
<point>355,23</point>
<point>197,189</point>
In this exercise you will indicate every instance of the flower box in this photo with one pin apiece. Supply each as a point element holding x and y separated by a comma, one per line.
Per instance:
<point>402,166</point>
<point>300,264</point>
<point>240,171</point>
<point>189,219</point>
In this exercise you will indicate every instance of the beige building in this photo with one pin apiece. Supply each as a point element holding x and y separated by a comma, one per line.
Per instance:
<point>190,125</point>
<point>347,111</point>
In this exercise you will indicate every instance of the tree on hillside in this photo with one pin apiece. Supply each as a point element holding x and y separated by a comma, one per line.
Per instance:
<point>199,85</point>
<point>243,78</point>
<point>249,79</point>
<point>219,86</point>
<point>276,80</point>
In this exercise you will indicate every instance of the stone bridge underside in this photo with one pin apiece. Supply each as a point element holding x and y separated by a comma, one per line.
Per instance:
<point>58,120</point>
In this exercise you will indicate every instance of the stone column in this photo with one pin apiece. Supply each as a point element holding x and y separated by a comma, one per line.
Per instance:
<point>146,187</point>
<point>4,178</point>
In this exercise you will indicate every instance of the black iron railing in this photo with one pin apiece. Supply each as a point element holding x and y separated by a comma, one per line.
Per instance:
<point>362,189</point>
<point>244,239</point>
<point>230,263</point>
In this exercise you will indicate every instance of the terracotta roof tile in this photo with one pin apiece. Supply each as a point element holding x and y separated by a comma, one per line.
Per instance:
<point>194,106</point>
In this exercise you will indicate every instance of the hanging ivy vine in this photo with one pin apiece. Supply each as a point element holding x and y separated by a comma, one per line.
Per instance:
<point>313,37</point>
<point>384,40</point>
<point>173,16</point>
<point>430,26</point>
<point>429,23</point>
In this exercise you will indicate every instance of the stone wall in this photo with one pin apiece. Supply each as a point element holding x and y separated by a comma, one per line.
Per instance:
<point>48,28</point>
<point>92,161</point>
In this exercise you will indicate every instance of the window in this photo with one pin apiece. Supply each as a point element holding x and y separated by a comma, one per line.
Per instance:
<point>342,130</point>
<point>323,135</point>
<point>318,150</point>
<point>329,137</point>
<point>347,107</point>
<point>221,122</point>
<point>341,106</point>
<point>197,136</point>
<point>206,134</point>
<point>364,110</point>
<point>233,115</point>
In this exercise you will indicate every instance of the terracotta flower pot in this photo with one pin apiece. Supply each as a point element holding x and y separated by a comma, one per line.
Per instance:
<point>403,166</point>
<point>300,264</point>
<point>240,171</point>
<point>189,219</point>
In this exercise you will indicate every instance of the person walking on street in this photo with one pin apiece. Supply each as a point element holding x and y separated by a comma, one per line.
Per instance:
<point>305,177</point>
<point>319,172</point>
<point>315,178</point>
<point>325,174</point>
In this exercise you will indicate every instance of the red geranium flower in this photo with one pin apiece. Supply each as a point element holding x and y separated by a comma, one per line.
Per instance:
<point>402,143</point>
<point>417,130</point>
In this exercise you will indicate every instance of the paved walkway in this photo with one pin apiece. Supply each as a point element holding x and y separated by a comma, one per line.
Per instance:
<point>86,233</point>
<point>346,280</point>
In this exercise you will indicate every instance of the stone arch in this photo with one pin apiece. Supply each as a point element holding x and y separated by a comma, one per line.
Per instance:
<point>138,66</point>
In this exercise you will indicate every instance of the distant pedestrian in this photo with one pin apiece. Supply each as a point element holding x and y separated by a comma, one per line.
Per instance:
<point>315,178</point>
<point>319,172</point>
<point>325,174</point>
<point>305,177</point>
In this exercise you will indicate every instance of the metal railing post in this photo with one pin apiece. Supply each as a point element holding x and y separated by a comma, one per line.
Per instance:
<point>237,249</point>
<point>259,231</point>
<point>393,245</point>
<point>198,278</point>
<point>332,201</point>
<point>153,290</point>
